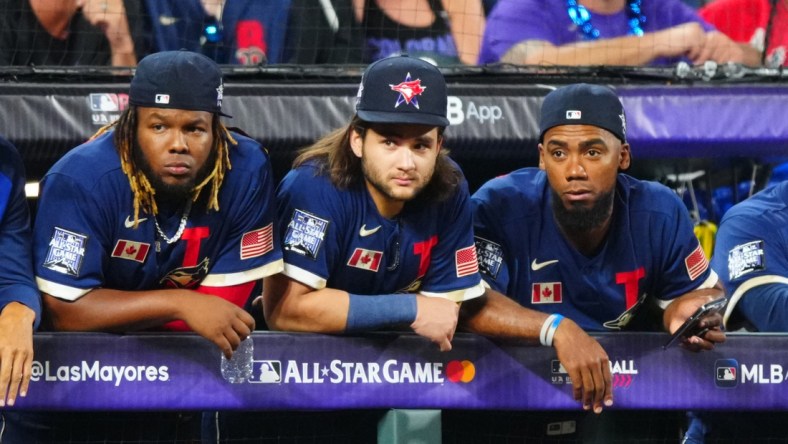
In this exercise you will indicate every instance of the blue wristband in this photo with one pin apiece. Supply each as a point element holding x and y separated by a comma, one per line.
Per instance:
<point>372,312</point>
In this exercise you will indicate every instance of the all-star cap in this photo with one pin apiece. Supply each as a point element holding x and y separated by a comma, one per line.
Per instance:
<point>178,80</point>
<point>584,104</point>
<point>402,89</point>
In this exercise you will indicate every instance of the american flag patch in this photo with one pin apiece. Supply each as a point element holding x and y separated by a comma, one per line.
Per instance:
<point>135,251</point>
<point>467,264</point>
<point>696,263</point>
<point>258,242</point>
<point>546,293</point>
<point>365,259</point>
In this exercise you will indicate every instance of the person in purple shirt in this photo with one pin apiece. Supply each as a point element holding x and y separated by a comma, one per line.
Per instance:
<point>601,32</point>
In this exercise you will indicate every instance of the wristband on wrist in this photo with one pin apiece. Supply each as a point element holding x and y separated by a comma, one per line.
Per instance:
<point>548,329</point>
<point>372,312</point>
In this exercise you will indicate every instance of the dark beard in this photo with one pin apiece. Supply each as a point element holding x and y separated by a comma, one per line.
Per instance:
<point>170,196</point>
<point>580,219</point>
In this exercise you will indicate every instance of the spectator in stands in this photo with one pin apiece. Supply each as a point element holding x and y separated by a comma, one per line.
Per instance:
<point>20,302</point>
<point>72,32</point>
<point>602,32</point>
<point>762,30</point>
<point>444,32</point>
<point>323,32</point>
<point>241,32</point>
<point>580,241</point>
<point>751,257</point>
<point>156,234</point>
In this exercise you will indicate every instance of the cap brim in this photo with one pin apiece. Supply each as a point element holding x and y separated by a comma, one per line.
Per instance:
<point>402,117</point>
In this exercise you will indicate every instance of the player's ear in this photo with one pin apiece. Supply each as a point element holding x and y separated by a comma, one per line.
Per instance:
<point>356,140</point>
<point>541,157</point>
<point>624,157</point>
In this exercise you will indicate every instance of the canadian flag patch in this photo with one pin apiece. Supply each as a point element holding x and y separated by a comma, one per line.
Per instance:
<point>366,259</point>
<point>546,293</point>
<point>133,251</point>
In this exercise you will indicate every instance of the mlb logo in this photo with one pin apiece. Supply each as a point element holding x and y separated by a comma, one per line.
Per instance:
<point>546,293</point>
<point>266,372</point>
<point>573,114</point>
<point>557,368</point>
<point>104,102</point>
<point>163,99</point>
<point>727,371</point>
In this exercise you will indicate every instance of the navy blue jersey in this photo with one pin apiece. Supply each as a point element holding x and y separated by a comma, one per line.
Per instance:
<point>337,238</point>
<point>84,236</point>
<point>751,249</point>
<point>650,251</point>
<point>16,265</point>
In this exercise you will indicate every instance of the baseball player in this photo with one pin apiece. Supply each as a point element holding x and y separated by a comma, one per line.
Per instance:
<point>589,246</point>
<point>374,218</point>
<point>164,219</point>
<point>751,256</point>
<point>20,302</point>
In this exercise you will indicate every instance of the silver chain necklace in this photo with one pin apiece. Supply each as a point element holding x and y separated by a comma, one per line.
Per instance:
<point>178,233</point>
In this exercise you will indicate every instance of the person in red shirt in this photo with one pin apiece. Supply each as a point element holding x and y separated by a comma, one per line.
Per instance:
<point>756,25</point>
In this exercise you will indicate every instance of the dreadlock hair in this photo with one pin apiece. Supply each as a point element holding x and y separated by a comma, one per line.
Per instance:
<point>333,155</point>
<point>144,194</point>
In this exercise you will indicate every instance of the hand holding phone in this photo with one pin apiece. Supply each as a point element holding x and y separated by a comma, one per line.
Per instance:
<point>690,326</point>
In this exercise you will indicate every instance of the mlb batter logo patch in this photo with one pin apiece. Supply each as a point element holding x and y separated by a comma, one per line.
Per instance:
<point>134,251</point>
<point>365,259</point>
<point>66,252</point>
<point>490,256</point>
<point>305,234</point>
<point>746,258</point>
<point>546,293</point>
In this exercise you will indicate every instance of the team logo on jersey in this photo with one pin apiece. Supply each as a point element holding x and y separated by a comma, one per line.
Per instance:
<point>257,242</point>
<point>365,259</point>
<point>186,277</point>
<point>624,318</point>
<point>134,251</point>
<point>305,234</point>
<point>546,293</point>
<point>746,258</point>
<point>409,90</point>
<point>465,259</point>
<point>696,263</point>
<point>66,252</point>
<point>490,256</point>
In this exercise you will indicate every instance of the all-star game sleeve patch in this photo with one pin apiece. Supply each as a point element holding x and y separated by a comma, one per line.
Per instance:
<point>490,256</point>
<point>66,252</point>
<point>746,258</point>
<point>305,234</point>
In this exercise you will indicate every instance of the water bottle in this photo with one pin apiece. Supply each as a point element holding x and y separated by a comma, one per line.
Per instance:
<point>238,369</point>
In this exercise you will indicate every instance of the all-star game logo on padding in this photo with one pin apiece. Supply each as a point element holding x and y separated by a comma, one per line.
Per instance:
<point>408,91</point>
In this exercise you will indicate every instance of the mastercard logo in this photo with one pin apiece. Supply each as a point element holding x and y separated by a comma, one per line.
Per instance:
<point>460,371</point>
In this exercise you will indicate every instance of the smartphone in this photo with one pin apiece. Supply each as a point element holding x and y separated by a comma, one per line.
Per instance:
<point>690,326</point>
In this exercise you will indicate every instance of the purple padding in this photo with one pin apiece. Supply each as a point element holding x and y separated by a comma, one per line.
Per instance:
<point>309,371</point>
<point>683,121</point>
